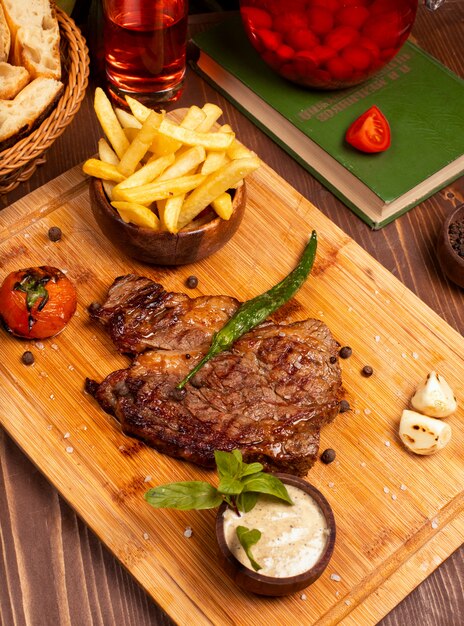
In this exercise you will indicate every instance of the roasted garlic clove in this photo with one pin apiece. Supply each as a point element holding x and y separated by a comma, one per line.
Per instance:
<point>434,397</point>
<point>422,434</point>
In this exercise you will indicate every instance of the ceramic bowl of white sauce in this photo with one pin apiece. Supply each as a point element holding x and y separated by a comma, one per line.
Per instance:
<point>296,544</point>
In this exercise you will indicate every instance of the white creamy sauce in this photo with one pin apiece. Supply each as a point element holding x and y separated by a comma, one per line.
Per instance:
<point>293,537</point>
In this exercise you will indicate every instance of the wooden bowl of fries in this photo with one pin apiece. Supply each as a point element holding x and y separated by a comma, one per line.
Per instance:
<point>199,239</point>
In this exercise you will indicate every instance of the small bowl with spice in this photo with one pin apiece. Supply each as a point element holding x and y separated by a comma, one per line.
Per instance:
<point>294,545</point>
<point>450,248</point>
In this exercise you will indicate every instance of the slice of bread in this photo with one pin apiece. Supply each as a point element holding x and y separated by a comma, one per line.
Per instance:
<point>35,36</point>
<point>5,37</point>
<point>22,114</point>
<point>13,78</point>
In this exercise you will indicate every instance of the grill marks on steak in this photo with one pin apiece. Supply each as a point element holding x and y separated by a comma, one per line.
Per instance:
<point>269,395</point>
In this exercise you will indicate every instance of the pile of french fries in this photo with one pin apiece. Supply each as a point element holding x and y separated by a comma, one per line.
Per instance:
<point>161,174</point>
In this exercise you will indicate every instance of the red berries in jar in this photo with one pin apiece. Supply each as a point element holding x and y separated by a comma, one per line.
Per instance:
<point>327,44</point>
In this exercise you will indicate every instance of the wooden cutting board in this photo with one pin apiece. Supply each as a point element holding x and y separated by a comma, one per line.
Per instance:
<point>398,515</point>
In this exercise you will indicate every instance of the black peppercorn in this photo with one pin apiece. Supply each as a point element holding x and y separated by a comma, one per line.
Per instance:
<point>344,406</point>
<point>54,233</point>
<point>27,358</point>
<point>192,282</point>
<point>345,352</point>
<point>328,456</point>
<point>333,359</point>
<point>367,371</point>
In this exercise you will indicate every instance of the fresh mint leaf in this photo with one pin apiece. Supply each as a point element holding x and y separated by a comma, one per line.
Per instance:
<point>230,486</point>
<point>266,483</point>
<point>247,539</point>
<point>184,496</point>
<point>246,501</point>
<point>228,463</point>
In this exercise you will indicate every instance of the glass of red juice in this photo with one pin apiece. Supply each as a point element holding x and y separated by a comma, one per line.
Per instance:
<point>327,44</point>
<point>145,45</point>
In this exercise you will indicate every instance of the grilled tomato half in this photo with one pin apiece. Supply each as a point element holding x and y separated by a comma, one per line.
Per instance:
<point>37,302</point>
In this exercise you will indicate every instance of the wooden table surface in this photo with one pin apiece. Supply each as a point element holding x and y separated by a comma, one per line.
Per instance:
<point>53,570</point>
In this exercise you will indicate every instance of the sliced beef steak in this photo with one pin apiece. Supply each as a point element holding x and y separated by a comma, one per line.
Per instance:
<point>268,396</point>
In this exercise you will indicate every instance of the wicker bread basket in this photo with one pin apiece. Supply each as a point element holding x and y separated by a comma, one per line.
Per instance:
<point>20,161</point>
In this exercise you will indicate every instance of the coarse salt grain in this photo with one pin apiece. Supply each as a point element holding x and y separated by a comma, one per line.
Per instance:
<point>347,602</point>
<point>403,487</point>
<point>350,308</point>
<point>335,577</point>
<point>52,396</point>
<point>377,338</point>
<point>26,235</point>
<point>386,490</point>
<point>71,368</point>
<point>331,485</point>
<point>146,536</point>
<point>147,479</point>
<point>415,355</point>
<point>54,346</point>
<point>367,411</point>
<point>49,427</point>
<point>404,355</point>
<point>363,464</point>
<point>66,435</point>
<point>303,596</point>
<point>188,532</point>
<point>39,345</point>
<point>387,443</point>
<point>435,523</point>
<point>69,449</point>
<point>394,496</point>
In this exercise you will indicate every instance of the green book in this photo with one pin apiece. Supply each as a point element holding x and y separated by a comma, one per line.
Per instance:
<point>422,100</point>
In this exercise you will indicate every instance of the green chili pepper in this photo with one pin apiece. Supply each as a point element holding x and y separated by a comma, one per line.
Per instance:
<point>253,312</point>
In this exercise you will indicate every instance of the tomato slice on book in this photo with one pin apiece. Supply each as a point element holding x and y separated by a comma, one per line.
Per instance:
<point>370,132</point>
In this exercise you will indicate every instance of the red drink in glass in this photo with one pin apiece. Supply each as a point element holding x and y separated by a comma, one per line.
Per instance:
<point>145,43</point>
<point>327,44</point>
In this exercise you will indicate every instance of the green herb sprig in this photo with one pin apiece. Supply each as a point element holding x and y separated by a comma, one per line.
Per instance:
<point>239,485</point>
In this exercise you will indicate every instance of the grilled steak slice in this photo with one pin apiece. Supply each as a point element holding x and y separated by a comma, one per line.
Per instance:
<point>268,396</point>
<point>139,314</point>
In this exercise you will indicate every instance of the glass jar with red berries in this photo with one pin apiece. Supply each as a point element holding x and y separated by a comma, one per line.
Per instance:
<point>328,44</point>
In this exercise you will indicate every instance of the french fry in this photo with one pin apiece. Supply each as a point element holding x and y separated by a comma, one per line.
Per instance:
<point>216,158</point>
<point>127,120</point>
<point>109,122</point>
<point>211,141</point>
<point>193,117</point>
<point>212,114</point>
<point>100,169</point>
<point>146,194</point>
<point>223,205</point>
<point>138,110</point>
<point>148,172</point>
<point>131,134</point>
<point>165,145</point>
<point>186,163</point>
<point>215,184</point>
<point>106,152</point>
<point>137,214</point>
<point>140,145</point>
<point>170,213</point>
<point>238,151</point>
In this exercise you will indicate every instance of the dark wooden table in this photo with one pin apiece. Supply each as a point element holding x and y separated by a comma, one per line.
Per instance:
<point>53,570</point>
